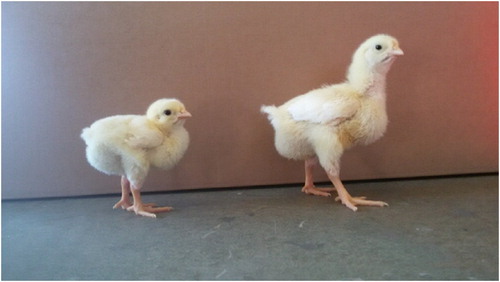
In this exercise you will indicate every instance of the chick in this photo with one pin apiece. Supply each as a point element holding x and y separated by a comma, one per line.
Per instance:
<point>319,125</point>
<point>127,145</point>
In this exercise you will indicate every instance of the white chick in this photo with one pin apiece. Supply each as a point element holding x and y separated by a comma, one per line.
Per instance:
<point>127,145</point>
<point>321,124</point>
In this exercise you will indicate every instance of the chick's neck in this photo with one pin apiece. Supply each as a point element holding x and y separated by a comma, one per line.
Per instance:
<point>369,83</point>
<point>165,129</point>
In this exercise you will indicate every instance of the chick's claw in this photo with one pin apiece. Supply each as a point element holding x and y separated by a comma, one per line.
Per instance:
<point>124,204</point>
<point>311,190</point>
<point>148,210</point>
<point>352,202</point>
<point>142,212</point>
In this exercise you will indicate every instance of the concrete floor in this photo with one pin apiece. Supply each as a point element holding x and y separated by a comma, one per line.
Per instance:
<point>434,229</point>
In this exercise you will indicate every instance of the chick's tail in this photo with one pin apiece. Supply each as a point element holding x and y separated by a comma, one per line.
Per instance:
<point>276,116</point>
<point>271,111</point>
<point>86,135</point>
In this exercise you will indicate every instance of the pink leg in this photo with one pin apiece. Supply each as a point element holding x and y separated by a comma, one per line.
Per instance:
<point>348,200</point>
<point>145,209</point>
<point>124,202</point>
<point>309,187</point>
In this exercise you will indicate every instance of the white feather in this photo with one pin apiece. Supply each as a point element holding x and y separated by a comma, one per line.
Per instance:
<point>328,105</point>
<point>128,145</point>
<point>326,121</point>
<point>142,134</point>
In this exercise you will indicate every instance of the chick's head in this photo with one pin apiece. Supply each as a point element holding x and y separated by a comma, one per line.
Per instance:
<point>378,52</point>
<point>166,113</point>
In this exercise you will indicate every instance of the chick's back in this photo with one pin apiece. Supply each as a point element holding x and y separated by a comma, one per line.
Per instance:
<point>109,148</point>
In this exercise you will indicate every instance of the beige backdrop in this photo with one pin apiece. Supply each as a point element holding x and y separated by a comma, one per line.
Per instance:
<point>65,65</point>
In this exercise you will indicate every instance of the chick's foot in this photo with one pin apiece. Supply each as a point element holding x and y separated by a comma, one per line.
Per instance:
<point>148,210</point>
<point>348,200</point>
<point>140,208</point>
<point>123,203</point>
<point>311,190</point>
<point>352,202</point>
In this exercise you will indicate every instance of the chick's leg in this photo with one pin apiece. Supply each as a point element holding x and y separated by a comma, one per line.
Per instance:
<point>124,202</point>
<point>309,187</point>
<point>144,209</point>
<point>348,200</point>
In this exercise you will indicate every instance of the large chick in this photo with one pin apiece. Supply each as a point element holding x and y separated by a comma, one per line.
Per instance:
<point>128,145</point>
<point>319,125</point>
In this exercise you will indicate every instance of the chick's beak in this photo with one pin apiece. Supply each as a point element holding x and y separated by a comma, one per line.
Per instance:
<point>184,115</point>
<point>397,52</point>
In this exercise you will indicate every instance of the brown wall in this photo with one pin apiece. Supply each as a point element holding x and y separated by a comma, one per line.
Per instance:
<point>65,65</point>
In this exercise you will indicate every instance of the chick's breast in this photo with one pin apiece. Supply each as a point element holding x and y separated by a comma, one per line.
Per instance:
<point>171,150</point>
<point>368,125</point>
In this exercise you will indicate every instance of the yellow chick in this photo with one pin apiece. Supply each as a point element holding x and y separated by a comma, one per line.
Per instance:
<point>127,145</point>
<point>319,125</point>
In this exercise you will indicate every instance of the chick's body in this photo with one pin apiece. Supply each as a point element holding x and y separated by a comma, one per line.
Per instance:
<point>128,145</point>
<point>319,125</point>
<point>297,139</point>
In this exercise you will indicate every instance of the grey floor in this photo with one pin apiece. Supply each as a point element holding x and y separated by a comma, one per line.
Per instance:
<point>434,229</point>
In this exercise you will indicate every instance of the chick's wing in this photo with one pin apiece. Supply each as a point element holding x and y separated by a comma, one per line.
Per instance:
<point>324,106</point>
<point>143,134</point>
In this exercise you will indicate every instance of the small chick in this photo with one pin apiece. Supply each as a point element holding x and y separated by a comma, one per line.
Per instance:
<point>127,145</point>
<point>319,125</point>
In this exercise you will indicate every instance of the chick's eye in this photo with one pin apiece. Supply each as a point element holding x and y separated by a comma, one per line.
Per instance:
<point>378,47</point>
<point>167,112</point>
